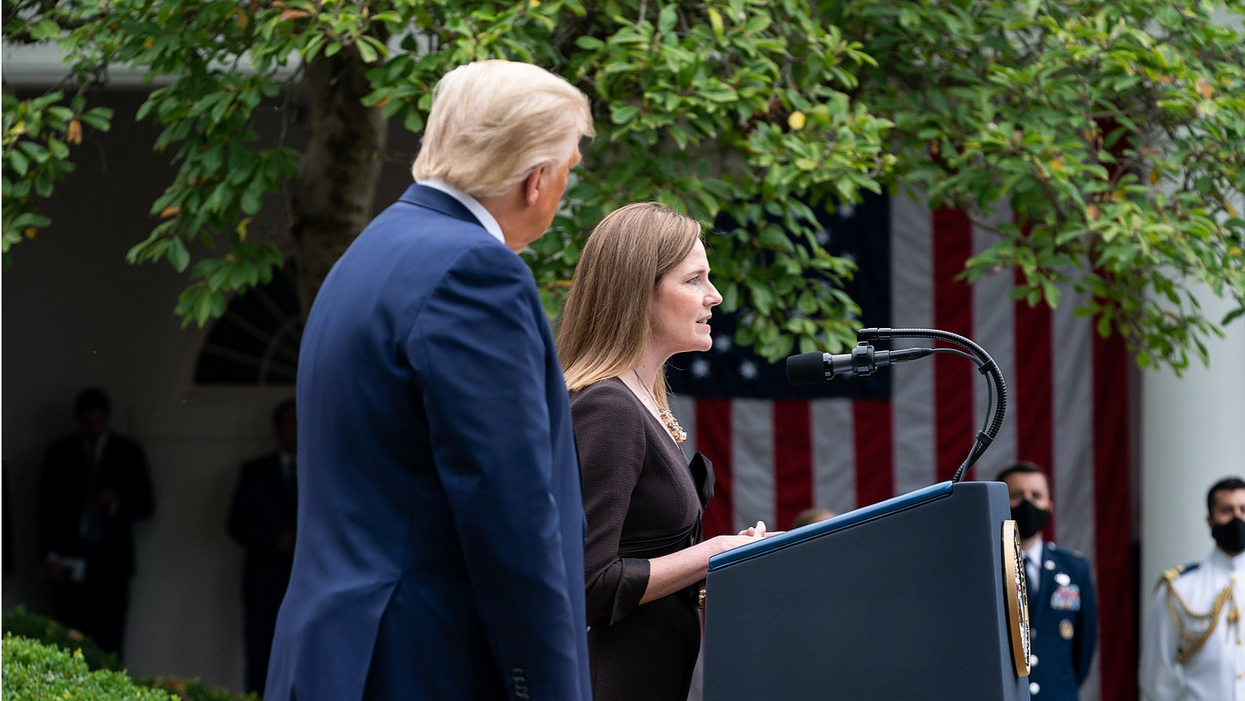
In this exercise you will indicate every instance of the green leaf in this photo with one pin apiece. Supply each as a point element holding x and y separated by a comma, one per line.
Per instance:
<point>178,256</point>
<point>18,161</point>
<point>623,113</point>
<point>667,18</point>
<point>366,52</point>
<point>252,198</point>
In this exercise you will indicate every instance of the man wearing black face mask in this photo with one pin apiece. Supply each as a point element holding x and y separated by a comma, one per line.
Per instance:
<point>1063,617</point>
<point>1193,648</point>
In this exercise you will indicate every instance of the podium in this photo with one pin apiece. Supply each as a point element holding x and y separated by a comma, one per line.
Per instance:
<point>917,598</point>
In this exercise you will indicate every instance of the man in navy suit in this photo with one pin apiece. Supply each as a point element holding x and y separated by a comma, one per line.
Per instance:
<point>440,526</point>
<point>262,518</point>
<point>1063,616</point>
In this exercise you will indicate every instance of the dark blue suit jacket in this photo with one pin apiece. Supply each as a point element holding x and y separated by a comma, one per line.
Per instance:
<point>1064,625</point>
<point>440,521</point>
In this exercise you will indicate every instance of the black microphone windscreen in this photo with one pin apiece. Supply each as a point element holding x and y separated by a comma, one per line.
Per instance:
<point>806,369</point>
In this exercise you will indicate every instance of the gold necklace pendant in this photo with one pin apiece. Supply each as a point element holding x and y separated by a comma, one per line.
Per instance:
<point>672,425</point>
<point>667,417</point>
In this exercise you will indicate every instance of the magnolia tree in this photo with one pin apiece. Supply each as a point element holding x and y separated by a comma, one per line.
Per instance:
<point>1113,130</point>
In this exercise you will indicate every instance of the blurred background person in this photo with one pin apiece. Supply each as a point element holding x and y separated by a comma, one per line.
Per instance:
<point>93,488</point>
<point>811,515</point>
<point>1063,613</point>
<point>262,518</point>
<point>1193,646</point>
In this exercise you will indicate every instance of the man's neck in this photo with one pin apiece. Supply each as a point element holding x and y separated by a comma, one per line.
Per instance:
<point>1027,544</point>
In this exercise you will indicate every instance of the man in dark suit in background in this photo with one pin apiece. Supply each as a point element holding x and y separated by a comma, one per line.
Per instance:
<point>94,487</point>
<point>262,519</point>
<point>1063,615</point>
<point>440,522</point>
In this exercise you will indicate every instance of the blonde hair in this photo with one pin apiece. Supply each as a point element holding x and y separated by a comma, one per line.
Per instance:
<point>607,318</point>
<point>493,122</point>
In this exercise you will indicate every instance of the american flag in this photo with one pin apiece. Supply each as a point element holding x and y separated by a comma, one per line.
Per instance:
<point>855,441</point>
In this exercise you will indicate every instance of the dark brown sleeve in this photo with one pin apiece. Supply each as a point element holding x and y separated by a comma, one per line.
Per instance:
<point>609,431</point>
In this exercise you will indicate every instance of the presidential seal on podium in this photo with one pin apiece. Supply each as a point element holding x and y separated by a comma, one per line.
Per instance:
<point>1016,592</point>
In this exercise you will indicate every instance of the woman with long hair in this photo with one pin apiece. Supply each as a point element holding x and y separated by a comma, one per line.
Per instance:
<point>641,293</point>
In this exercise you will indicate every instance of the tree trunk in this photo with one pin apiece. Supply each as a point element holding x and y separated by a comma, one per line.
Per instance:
<point>337,175</point>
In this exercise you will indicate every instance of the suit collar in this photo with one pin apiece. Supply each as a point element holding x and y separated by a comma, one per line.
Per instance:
<point>422,196</point>
<point>477,209</point>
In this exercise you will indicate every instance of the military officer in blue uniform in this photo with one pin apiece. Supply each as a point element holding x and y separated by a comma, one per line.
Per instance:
<point>1063,616</point>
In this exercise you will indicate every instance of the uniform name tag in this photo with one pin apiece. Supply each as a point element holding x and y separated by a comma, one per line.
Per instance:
<point>1066,598</point>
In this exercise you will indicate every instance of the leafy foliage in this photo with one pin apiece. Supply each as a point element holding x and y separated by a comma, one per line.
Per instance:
<point>193,690</point>
<point>1113,130</point>
<point>26,624</point>
<point>28,629</point>
<point>37,135</point>
<point>33,670</point>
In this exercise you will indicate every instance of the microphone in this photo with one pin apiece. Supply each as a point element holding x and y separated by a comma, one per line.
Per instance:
<point>813,368</point>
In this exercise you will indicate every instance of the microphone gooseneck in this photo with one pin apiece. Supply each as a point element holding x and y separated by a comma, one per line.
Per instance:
<point>863,360</point>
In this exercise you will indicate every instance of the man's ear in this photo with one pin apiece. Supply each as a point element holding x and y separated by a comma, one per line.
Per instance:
<point>532,184</point>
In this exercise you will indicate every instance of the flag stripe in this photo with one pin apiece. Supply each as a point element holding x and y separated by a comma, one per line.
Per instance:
<point>994,331</point>
<point>1033,392</point>
<point>793,461</point>
<point>912,307</point>
<point>685,409</point>
<point>713,438</point>
<point>1073,446</point>
<point>752,440</point>
<point>875,470</point>
<point>953,311</point>
<point>1115,549</point>
<point>834,455</point>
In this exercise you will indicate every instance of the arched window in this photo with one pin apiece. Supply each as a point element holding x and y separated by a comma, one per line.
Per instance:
<point>255,343</point>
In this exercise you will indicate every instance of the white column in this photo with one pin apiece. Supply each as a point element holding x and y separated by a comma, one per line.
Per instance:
<point>1192,435</point>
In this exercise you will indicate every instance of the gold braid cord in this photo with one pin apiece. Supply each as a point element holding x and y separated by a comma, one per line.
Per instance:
<point>1193,641</point>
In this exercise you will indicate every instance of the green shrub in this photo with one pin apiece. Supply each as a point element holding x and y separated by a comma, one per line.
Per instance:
<point>194,690</point>
<point>27,624</point>
<point>33,670</point>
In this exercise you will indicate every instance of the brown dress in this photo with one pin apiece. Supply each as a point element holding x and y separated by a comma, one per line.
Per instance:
<point>642,500</point>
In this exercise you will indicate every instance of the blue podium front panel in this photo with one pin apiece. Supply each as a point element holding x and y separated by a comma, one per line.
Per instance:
<point>901,600</point>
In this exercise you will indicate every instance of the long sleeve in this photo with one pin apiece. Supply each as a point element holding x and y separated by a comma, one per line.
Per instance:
<point>611,439</point>
<point>1158,676</point>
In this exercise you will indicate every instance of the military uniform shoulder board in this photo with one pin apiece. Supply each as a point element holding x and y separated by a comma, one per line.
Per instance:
<point>1175,572</point>
<point>1171,575</point>
<point>1071,551</point>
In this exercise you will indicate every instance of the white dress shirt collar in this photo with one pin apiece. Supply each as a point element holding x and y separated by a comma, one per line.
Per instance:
<point>472,204</point>
<point>1034,568</point>
<point>94,447</point>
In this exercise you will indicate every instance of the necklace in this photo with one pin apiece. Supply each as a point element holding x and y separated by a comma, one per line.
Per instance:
<point>667,416</point>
